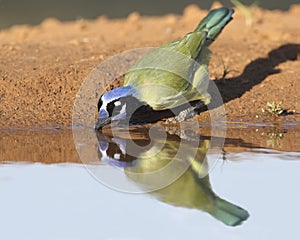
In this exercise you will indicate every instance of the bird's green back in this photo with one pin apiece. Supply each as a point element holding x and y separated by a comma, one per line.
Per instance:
<point>176,72</point>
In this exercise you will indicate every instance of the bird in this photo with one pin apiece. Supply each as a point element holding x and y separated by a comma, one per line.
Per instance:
<point>169,81</point>
<point>176,177</point>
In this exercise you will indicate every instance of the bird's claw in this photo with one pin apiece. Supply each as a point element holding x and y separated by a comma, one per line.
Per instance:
<point>182,116</point>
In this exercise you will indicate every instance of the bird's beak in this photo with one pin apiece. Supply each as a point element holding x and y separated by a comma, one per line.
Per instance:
<point>101,123</point>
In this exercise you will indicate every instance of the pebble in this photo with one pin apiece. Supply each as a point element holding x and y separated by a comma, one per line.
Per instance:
<point>133,17</point>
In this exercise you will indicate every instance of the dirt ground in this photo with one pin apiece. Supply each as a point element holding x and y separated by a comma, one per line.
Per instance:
<point>42,67</point>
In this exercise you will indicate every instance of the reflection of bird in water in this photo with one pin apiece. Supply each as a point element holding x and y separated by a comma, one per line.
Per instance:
<point>191,188</point>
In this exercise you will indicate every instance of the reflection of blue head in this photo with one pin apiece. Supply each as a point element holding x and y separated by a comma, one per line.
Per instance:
<point>115,153</point>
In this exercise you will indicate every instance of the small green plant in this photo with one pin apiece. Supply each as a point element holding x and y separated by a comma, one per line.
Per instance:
<point>226,70</point>
<point>276,109</point>
<point>246,10</point>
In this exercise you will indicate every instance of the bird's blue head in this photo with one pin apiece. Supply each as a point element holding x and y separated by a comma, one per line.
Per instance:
<point>113,105</point>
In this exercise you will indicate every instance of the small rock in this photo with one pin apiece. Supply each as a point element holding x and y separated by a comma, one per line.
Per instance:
<point>81,23</point>
<point>133,17</point>
<point>171,19</point>
<point>85,40</point>
<point>216,5</point>
<point>191,10</point>
<point>50,23</point>
<point>295,9</point>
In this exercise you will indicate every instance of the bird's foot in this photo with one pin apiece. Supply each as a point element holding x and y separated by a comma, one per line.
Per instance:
<point>182,116</point>
<point>185,114</point>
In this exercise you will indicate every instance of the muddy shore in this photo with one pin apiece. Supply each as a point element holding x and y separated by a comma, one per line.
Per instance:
<point>42,67</point>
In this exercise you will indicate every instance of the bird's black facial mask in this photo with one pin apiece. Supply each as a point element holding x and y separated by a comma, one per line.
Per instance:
<point>111,111</point>
<point>112,106</point>
<point>103,116</point>
<point>127,110</point>
<point>117,109</point>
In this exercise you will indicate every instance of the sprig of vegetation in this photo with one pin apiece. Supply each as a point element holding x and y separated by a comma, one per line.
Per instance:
<point>226,70</point>
<point>246,10</point>
<point>276,109</point>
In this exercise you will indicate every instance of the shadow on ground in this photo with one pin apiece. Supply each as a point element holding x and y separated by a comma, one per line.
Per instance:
<point>255,72</point>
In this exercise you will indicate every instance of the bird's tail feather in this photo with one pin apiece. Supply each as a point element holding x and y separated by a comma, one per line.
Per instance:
<point>229,213</point>
<point>215,21</point>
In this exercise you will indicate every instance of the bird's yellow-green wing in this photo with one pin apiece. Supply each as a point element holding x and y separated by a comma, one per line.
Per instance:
<point>164,76</point>
<point>176,72</point>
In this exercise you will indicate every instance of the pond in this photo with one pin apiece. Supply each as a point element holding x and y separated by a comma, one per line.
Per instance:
<point>155,184</point>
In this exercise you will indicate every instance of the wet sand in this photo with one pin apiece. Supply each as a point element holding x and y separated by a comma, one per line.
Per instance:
<point>57,146</point>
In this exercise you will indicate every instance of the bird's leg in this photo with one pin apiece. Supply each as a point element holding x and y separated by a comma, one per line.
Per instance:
<point>183,115</point>
<point>186,113</point>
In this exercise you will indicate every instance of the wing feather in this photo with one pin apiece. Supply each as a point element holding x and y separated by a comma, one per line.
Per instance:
<point>167,76</point>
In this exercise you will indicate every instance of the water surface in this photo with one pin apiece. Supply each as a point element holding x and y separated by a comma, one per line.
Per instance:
<point>47,193</point>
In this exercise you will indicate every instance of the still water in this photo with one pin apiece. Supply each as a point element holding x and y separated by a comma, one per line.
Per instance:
<point>244,191</point>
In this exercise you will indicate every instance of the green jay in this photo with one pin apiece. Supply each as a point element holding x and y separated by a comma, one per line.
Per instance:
<point>169,81</point>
